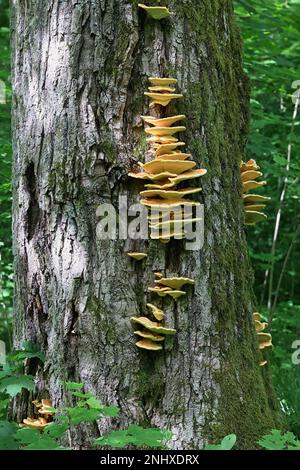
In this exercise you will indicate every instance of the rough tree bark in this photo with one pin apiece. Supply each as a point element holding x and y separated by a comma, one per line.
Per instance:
<point>80,68</point>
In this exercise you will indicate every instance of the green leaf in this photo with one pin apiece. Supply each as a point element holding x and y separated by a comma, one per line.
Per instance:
<point>74,386</point>
<point>228,442</point>
<point>137,436</point>
<point>79,415</point>
<point>8,436</point>
<point>14,385</point>
<point>276,440</point>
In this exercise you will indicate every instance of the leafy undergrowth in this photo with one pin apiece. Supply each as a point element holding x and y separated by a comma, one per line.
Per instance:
<point>86,408</point>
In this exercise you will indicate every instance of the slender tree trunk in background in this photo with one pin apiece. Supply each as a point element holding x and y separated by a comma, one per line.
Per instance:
<point>79,72</point>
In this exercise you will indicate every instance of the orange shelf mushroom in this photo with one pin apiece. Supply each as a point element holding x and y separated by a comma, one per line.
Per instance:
<point>43,408</point>
<point>253,203</point>
<point>264,339</point>
<point>157,13</point>
<point>137,256</point>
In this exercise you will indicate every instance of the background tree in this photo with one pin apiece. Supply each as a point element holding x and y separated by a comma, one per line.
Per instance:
<point>79,73</point>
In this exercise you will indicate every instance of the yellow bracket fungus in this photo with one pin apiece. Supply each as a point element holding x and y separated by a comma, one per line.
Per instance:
<point>156,139</point>
<point>265,340</point>
<point>256,316</point>
<point>137,256</point>
<point>164,131</point>
<point>168,194</point>
<point>148,345</point>
<point>263,363</point>
<point>259,326</point>
<point>250,175</point>
<point>157,13</point>
<point>156,312</point>
<point>175,282</point>
<point>162,149</point>
<point>158,81</point>
<point>248,185</point>
<point>164,122</point>
<point>174,156</point>
<point>161,89</point>
<point>162,99</point>
<point>253,217</point>
<point>149,335</point>
<point>164,203</point>
<point>254,198</point>
<point>148,176</point>
<point>250,165</point>
<point>38,424</point>
<point>153,326</point>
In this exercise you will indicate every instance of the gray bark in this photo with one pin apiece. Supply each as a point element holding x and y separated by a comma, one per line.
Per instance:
<point>79,72</point>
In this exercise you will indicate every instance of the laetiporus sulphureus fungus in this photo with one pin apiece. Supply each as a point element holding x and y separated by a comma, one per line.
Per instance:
<point>265,339</point>
<point>148,345</point>
<point>45,409</point>
<point>158,13</point>
<point>153,326</point>
<point>137,256</point>
<point>253,203</point>
<point>156,312</point>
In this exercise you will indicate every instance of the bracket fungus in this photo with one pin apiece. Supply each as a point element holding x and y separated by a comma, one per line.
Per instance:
<point>156,312</point>
<point>157,13</point>
<point>253,203</point>
<point>43,408</point>
<point>265,339</point>
<point>164,131</point>
<point>137,256</point>
<point>163,122</point>
<point>148,345</point>
<point>153,326</point>
<point>175,282</point>
<point>168,208</point>
<point>149,335</point>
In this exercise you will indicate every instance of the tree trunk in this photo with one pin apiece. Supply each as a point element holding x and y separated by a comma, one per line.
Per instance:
<point>80,69</point>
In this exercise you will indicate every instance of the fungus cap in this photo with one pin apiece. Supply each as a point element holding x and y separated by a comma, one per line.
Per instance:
<point>263,363</point>
<point>186,176</point>
<point>255,207</point>
<point>169,194</point>
<point>248,185</point>
<point>162,149</point>
<point>148,345</point>
<point>164,203</point>
<point>175,282</point>
<point>172,166</point>
<point>250,198</point>
<point>156,139</point>
<point>265,340</point>
<point>149,335</point>
<point>137,256</point>
<point>256,316</point>
<point>162,99</point>
<point>164,131</point>
<point>163,122</point>
<point>148,176</point>
<point>39,424</point>
<point>156,312</point>
<point>153,326</point>
<point>250,175</point>
<point>260,326</point>
<point>157,13</point>
<point>164,81</point>
<point>161,89</point>
<point>174,156</point>
<point>249,165</point>
<point>176,294</point>
<point>253,217</point>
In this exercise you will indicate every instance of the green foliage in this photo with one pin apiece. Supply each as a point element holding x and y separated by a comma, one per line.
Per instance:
<point>270,31</point>
<point>87,409</point>
<point>277,440</point>
<point>135,436</point>
<point>227,443</point>
<point>6,278</point>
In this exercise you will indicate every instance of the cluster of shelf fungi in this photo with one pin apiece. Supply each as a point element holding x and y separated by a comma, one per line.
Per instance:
<point>164,173</point>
